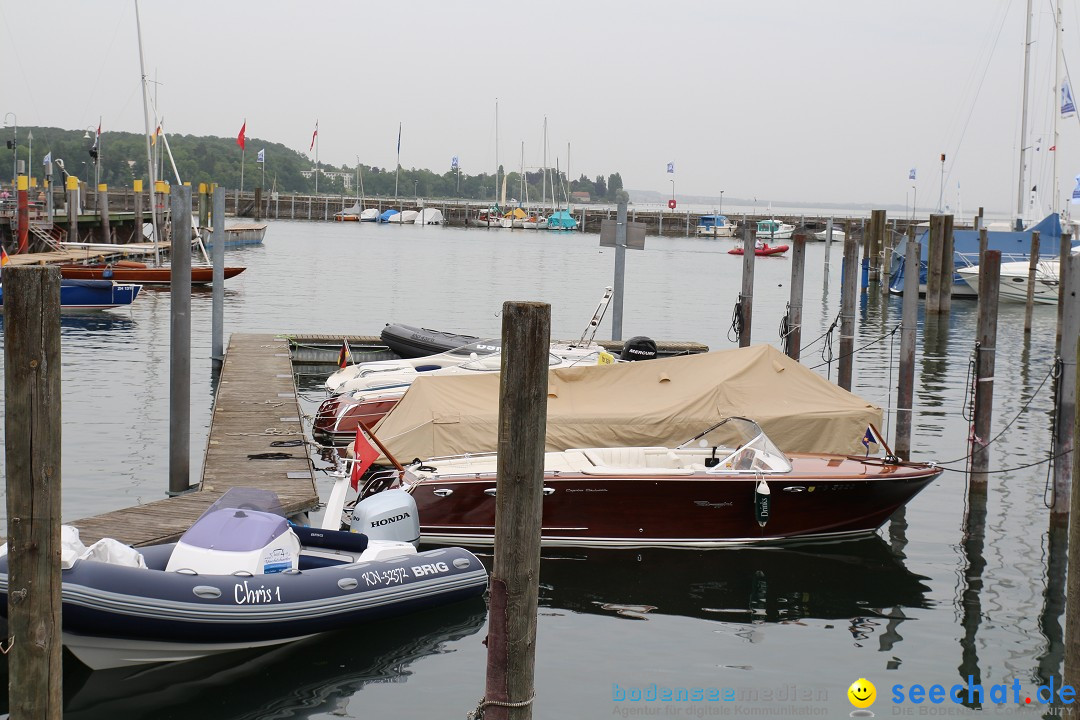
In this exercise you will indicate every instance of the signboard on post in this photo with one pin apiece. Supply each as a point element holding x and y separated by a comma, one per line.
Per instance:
<point>635,234</point>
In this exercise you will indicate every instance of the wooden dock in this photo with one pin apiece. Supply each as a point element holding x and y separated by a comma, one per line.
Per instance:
<point>256,404</point>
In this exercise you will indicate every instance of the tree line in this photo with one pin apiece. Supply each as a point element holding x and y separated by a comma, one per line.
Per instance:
<point>118,158</point>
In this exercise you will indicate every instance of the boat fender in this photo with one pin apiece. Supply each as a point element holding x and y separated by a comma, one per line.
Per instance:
<point>762,503</point>
<point>107,272</point>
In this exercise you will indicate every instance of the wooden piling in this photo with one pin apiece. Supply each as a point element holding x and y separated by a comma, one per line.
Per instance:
<point>746,297</point>
<point>948,267</point>
<point>877,234</point>
<point>1063,259</point>
<point>73,208</point>
<point>793,342</point>
<point>935,242</point>
<point>514,589</point>
<point>1071,675</point>
<point>103,213</point>
<point>217,308</point>
<point>986,334</point>
<point>909,320</point>
<point>849,287</point>
<point>180,345</point>
<point>1064,430</point>
<point>137,231</point>
<point>1033,264</point>
<point>620,267</point>
<point>886,259</point>
<point>32,456</point>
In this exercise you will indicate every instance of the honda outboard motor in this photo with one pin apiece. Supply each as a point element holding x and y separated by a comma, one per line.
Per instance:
<point>387,515</point>
<point>638,347</point>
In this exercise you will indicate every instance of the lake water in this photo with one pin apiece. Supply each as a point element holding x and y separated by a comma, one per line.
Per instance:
<point>782,631</point>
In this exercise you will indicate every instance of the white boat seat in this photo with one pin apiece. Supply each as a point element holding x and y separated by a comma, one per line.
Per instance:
<point>633,457</point>
<point>628,471</point>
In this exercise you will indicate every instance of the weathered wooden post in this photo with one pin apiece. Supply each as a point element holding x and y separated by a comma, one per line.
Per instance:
<point>514,589</point>
<point>32,457</point>
<point>877,234</point>
<point>217,317</point>
<point>103,213</point>
<point>935,241</point>
<point>1072,594</point>
<point>985,349</point>
<point>828,251</point>
<point>204,208</point>
<point>620,266</point>
<point>137,234</point>
<point>849,287</point>
<point>886,259</point>
<point>180,344</point>
<point>909,321</point>
<point>1063,260</point>
<point>1033,265</point>
<point>793,342</point>
<point>1064,429</point>
<point>746,297</point>
<point>948,267</point>
<point>73,208</point>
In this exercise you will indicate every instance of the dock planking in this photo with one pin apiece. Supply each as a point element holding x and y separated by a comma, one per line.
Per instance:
<point>252,409</point>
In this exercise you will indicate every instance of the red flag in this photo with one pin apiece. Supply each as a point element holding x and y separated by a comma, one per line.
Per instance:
<point>344,355</point>
<point>364,456</point>
<point>314,135</point>
<point>1053,148</point>
<point>240,138</point>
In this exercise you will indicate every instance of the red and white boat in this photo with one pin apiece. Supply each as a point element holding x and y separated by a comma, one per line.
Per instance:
<point>762,251</point>
<point>730,485</point>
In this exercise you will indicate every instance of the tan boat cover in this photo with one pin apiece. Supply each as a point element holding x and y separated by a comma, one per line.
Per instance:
<point>660,402</point>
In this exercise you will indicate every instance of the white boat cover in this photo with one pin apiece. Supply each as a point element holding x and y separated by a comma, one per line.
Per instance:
<point>429,216</point>
<point>660,402</point>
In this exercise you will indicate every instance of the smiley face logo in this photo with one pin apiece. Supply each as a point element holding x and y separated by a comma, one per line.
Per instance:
<point>862,693</point>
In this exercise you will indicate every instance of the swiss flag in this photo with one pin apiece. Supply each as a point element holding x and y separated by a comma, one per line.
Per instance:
<point>365,456</point>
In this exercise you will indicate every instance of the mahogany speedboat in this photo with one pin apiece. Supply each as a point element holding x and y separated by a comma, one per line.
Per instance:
<point>129,271</point>
<point>734,486</point>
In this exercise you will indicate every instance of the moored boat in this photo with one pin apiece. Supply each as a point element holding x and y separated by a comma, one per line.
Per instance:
<point>405,216</point>
<point>837,235</point>
<point>762,251</point>
<point>715,226</point>
<point>136,272</point>
<point>349,214</point>
<point>730,485</point>
<point>243,577</point>
<point>79,295</point>
<point>1013,281</point>
<point>774,230</point>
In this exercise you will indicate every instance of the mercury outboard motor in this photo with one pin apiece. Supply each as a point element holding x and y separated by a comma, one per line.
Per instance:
<point>638,347</point>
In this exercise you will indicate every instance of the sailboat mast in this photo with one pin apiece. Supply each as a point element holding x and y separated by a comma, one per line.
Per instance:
<point>1020,194</point>
<point>1057,84</point>
<point>149,153</point>
<point>543,180</point>
<point>495,190</point>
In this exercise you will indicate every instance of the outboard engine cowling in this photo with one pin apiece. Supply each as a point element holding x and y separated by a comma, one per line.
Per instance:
<point>388,515</point>
<point>638,347</point>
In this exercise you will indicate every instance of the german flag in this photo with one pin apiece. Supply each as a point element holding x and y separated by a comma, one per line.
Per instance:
<point>344,355</point>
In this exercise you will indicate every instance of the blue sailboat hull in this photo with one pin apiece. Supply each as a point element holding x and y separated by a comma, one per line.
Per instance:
<point>92,294</point>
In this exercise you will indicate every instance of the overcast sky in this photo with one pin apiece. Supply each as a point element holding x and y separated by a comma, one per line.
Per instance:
<point>826,101</point>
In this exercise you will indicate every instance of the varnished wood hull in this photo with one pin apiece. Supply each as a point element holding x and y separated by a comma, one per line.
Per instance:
<point>142,276</point>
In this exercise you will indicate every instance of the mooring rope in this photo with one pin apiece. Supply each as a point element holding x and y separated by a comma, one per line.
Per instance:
<point>478,713</point>
<point>858,349</point>
<point>736,321</point>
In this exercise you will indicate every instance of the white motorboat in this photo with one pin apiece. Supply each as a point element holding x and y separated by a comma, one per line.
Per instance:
<point>769,230</point>
<point>1013,283</point>
<point>837,235</point>
<point>715,226</point>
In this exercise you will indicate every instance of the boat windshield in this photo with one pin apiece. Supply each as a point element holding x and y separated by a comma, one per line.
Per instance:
<point>742,446</point>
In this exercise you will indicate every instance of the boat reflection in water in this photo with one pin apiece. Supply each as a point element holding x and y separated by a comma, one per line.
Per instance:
<point>827,581</point>
<point>311,677</point>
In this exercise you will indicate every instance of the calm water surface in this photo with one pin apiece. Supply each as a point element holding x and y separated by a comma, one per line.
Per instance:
<point>786,629</point>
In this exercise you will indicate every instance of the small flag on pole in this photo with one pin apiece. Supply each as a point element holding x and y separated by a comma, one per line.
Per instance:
<point>261,156</point>
<point>363,456</point>
<point>314,135</point>
<point>47,159</point>
<point>1068,107</point>
<point>454,163</point>
<point>911,174</point>
<point>4,259</point>
<point>671,167</point>
<point>1075,192</point>
<point>240,140</point>
<point>344,355</point>
<point>399,139</point>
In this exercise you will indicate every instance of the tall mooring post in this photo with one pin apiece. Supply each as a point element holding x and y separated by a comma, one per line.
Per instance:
<point>514,589</point>
<point>620,266</point>
<point>746,297</point>
<point>73,208</point>
<point>137,231</point>
<point>935,248</point>
<point>985,350</point>
<point>1065,417</point>
<point>1063,261</point>
<point>948,267</point>
<point>877,236</point>
<point>32,465</point>
<point>909,321</point>
<point>1033,265</point>
<point>103,213</point>
<point>180,344</point>
<point>217,250</point>
<point>22,210</point>
<point>849,287</point>
<point>793,341</point>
